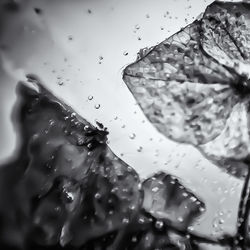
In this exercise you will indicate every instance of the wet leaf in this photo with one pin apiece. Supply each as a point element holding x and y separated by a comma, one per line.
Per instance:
<point>155,234</point>
<point>111,201</point>
<point>167,199</point>
<point>66,185</point>
<point>193,83</point>
<point>225,34</point>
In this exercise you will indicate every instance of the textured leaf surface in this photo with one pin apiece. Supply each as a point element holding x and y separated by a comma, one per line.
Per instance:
<point>194,86</point>
<point>167,199</point>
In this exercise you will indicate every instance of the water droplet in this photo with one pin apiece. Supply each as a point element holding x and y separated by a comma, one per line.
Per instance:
<point>202,209</point>
<point>180,219</point>
<point>90,97</point>
<point>137,26</point>
<point>141,220</point>
<point>159,224</point>
<point>132,136</point>
<point>86,128</point>
<point>155,189</point>
<point>69,196</point>
<point>60,83</point>
<point>51,122</point>
<point>97,195</point>
<point>125,53</point>
<point>193,199</point>
<point>139,149</point>
<point>125,221</point>
<point>184,194</point>
<point>97,106</point>
<point>221,221</point>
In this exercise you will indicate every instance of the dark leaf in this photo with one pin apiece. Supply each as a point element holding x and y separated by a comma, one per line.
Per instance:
<point>66,185</point>
<point>167,199</point>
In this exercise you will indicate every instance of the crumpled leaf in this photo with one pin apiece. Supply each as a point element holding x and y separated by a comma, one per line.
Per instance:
<point>167,199</point>
<point>111,199</point>
<point>67,188</point>
<point>193,83</point>
<point>225,35</point>
<point>66,184</point>
<point>52,212</point>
